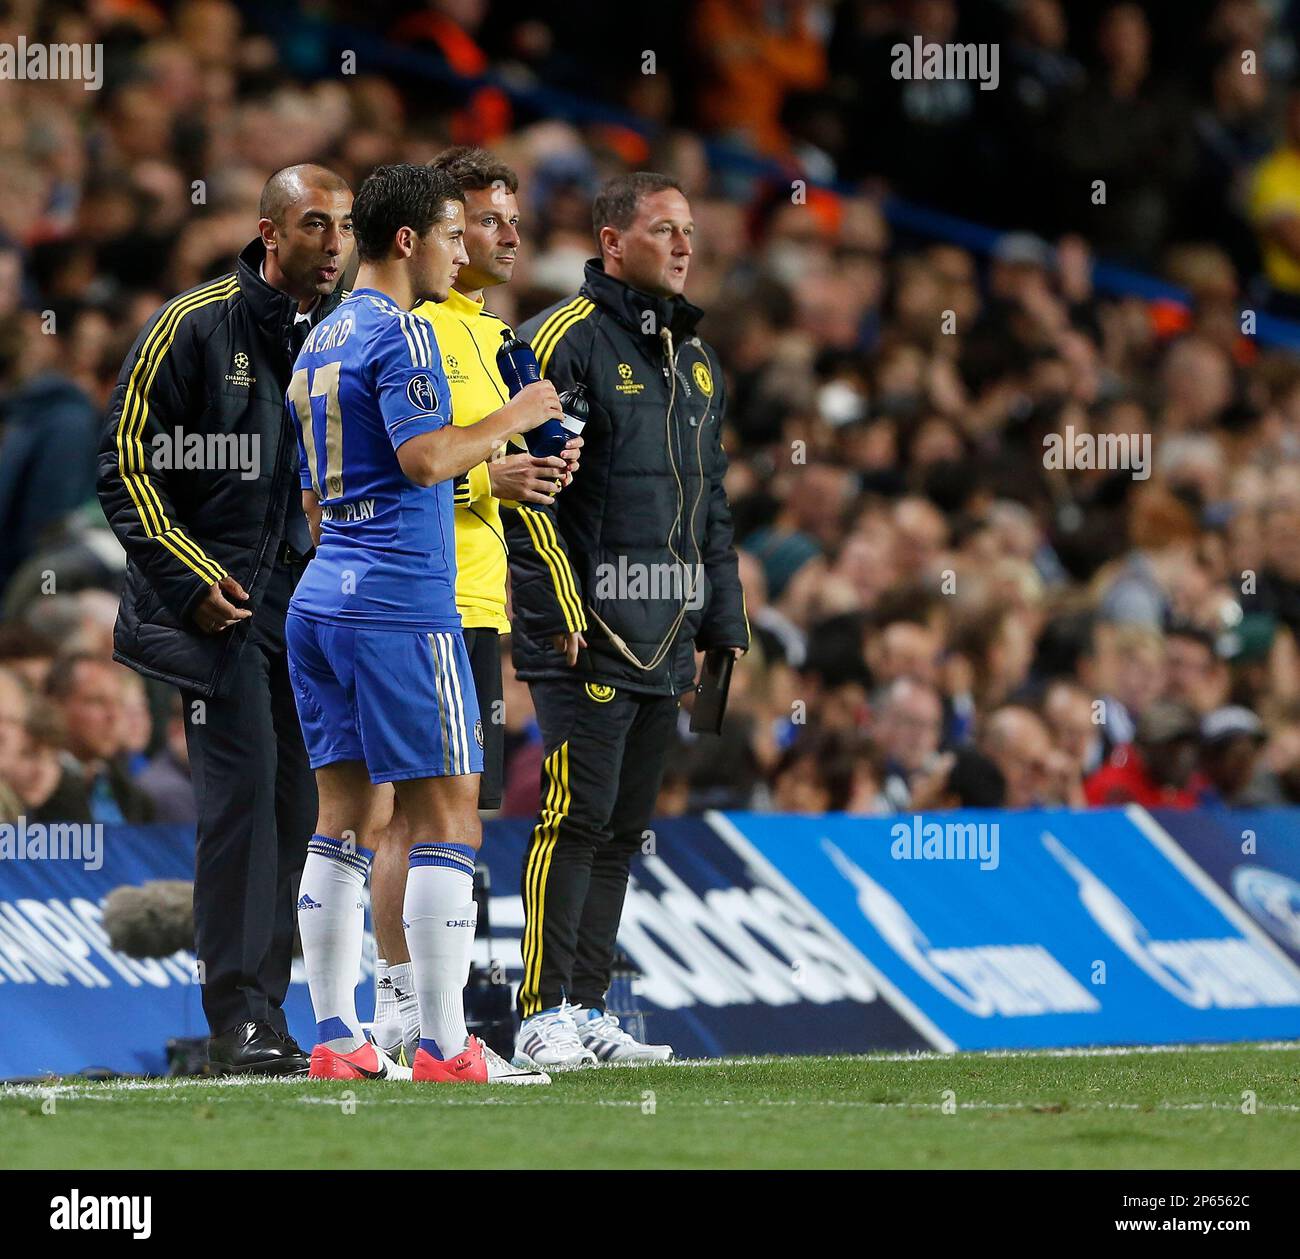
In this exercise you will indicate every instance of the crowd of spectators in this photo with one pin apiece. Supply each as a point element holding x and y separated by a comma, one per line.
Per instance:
<point>942,615</point>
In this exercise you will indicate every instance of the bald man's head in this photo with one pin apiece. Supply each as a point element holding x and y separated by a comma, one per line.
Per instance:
<point>1018,743</point>
<point>288,186</point>
<point>1013,726</point>
<point>306,226</point>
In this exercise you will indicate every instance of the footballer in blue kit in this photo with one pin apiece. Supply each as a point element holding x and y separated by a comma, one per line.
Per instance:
<point>380,673</point>
<point>375,636</point>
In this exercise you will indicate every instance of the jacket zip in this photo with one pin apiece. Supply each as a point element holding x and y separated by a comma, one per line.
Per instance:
<point>275,485</point>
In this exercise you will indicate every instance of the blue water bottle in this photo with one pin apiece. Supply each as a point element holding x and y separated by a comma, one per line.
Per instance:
<point>516,362</point>
<point>518,366</point>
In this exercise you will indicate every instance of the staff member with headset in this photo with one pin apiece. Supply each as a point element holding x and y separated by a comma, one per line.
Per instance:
<point>213,554</point>
<point>614,586</point>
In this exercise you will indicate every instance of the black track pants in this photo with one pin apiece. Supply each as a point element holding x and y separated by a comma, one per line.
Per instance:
<point>605,750</point>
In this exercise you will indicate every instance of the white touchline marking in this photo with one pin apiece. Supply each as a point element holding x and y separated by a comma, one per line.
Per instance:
<point>105,1089</point>
<point>1050,1105</point>
<point>174,1090</point>
<point>1091,1051</point>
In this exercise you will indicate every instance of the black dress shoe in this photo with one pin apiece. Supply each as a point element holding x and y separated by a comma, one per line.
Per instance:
<point>255,1049</point>
<point>286,1039</point>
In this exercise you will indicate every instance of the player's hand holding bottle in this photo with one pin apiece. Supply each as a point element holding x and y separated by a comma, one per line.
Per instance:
<point>533,405</point>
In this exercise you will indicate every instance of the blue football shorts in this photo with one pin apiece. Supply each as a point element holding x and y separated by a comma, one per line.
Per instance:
<point>401,701</point>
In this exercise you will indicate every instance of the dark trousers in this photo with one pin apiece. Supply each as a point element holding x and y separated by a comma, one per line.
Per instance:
<point>484,648</point>
<point>256,800</point>
<point>604,751</point>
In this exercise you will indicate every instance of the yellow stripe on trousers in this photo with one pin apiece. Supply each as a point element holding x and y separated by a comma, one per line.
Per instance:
<point>545,836</point>
<point>531,866</point>
<point>536,850</point>
<point>541,832</point>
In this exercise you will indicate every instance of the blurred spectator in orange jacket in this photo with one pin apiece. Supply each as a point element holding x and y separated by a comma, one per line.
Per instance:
<point>752,64</point>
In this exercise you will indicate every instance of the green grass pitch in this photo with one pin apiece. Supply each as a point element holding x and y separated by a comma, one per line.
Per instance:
<point>1180,1108</point>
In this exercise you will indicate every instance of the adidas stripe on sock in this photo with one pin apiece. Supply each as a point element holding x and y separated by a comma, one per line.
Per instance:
<point>387,1025</point>
<point>397,1009</point>
<point>331,922</point>
<point>408,1003</point>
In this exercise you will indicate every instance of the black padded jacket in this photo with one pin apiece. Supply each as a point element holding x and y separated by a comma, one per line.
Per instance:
<point>637,552</point>
<point>198,468</point>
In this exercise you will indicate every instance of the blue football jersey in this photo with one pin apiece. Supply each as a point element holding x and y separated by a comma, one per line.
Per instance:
<point>368,378</point>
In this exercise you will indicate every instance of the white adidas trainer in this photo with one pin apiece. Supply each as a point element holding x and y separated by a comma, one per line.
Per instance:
<point>549,1041</point>
<point>601,1034</point>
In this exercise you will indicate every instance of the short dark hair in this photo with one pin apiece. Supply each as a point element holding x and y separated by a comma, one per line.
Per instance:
<point>829,764</point>
<point>616,202</point>
<point>287,185</point>
<point>475,169</point>
<point>18,641</point>
<point>401,195</point>
<point>976,781</point>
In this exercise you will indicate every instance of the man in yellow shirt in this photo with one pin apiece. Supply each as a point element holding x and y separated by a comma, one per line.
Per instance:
<point>468,337</point>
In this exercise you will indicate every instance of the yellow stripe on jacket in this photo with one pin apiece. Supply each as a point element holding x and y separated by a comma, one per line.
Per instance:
<point>134,416</point>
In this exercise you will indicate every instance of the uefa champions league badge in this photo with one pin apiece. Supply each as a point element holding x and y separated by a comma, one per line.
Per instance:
<point>421,393</point>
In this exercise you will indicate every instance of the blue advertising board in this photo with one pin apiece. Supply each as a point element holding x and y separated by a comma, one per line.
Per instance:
<point>779,934</point>
<point>731,962</point>
<point>1033,929</point>
<point>67,1000</point>
<point>1254,855</point>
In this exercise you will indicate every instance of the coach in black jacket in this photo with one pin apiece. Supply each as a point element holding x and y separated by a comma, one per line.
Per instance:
<point>619,581</point>
<point>198,476</point>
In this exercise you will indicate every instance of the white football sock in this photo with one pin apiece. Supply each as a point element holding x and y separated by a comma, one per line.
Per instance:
<point>408,1003</point>
<point>331,922</point>
<point>387,1026</point>
<point>440,916</point>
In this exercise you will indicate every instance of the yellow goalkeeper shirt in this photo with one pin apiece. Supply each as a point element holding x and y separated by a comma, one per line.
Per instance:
<point>468,337</point>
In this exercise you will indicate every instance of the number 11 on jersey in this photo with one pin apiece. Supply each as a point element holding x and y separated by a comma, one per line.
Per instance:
<point>324,383</point>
